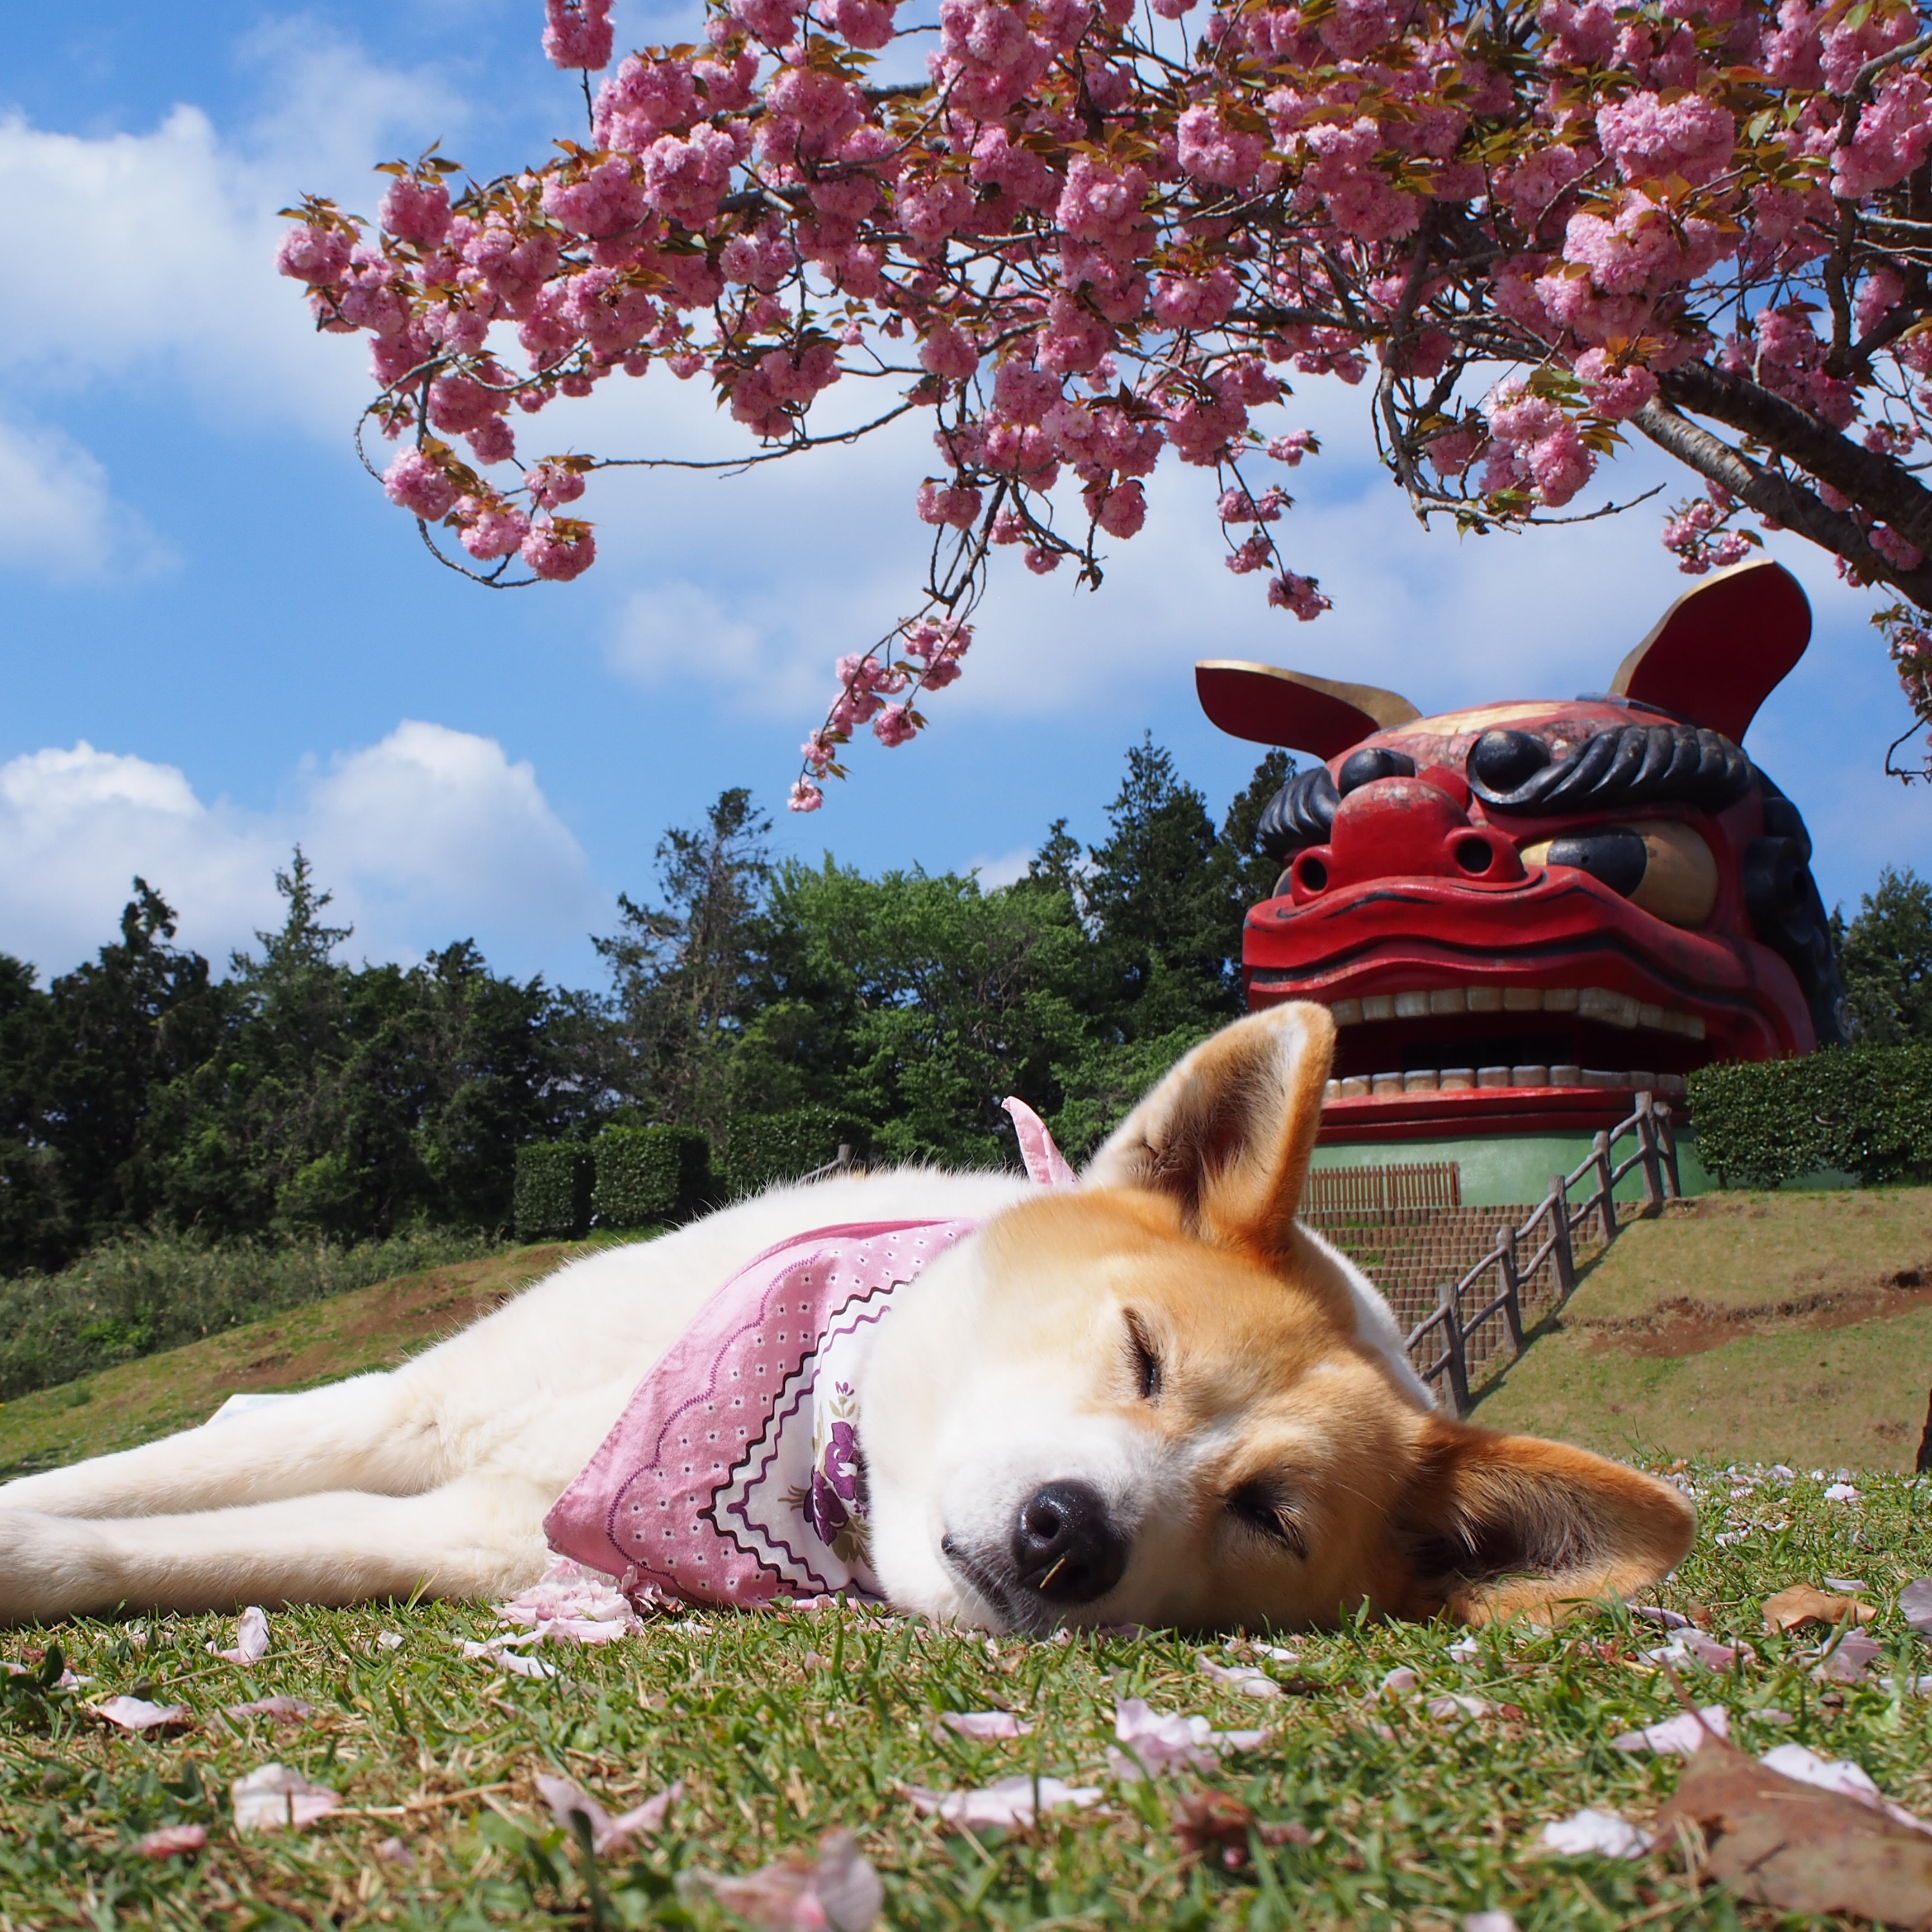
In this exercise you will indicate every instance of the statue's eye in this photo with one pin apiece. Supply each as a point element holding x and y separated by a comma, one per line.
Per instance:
<point>1616,856</point>
<point>1660,864</point>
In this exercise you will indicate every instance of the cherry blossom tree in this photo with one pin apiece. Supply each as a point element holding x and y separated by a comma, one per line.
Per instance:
<point>1086,237</point>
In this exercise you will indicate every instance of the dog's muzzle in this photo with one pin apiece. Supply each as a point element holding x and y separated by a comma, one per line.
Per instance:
<point>1065,1547</point>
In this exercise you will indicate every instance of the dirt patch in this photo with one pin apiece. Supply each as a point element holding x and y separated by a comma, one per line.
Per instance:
<point>1683,1325</point>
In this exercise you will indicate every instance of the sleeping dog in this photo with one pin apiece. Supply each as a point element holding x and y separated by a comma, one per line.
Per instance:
<point>1153,1397</point>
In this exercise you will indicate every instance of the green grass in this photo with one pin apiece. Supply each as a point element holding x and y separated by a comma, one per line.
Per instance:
<point>782,1725</point>
<point>139,1294</point>
<point>374,1327</point>
<point>1744,1326</point>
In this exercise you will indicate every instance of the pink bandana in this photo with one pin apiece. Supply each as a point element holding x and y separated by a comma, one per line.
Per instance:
<point>734,1475</point>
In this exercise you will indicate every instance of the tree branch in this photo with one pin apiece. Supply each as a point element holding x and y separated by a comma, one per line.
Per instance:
<point>1778,498</point>
<point>1876,483</point>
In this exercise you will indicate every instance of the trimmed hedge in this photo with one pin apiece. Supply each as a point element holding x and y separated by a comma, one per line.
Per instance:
<point>1861,1110</point>
<point>646,1176</point>
<point>767,1149</point>
<point>551,1202</point>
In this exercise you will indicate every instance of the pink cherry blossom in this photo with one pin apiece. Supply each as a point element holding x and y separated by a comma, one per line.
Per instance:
<point>416,212</point>
<point>558,548</point>
<point>1288,592</point>
<point>552,484</point>
<point>1090,245</point>
<point>577,33</point>
<point>315,255</point>
<point>489,528</point>
<point>416,481</point>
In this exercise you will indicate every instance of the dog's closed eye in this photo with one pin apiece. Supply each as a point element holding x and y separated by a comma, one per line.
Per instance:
<point>1262,1510</point>
<point>1144,1359</point>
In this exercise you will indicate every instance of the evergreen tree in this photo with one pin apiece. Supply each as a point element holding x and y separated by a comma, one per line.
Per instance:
<point>140,1014</point>
<point>1885,956</point>
<point>1161,905</point>
<point>34,1228</point>
<point>681,973</point>
<point>1255,873</point>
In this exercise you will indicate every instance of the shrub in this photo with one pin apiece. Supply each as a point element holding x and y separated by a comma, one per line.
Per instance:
<point>552,1199</point>
<point>768,1149</point>
<point>138,1294</point>
<point>1866,1111</point>
<point>646,1176</point>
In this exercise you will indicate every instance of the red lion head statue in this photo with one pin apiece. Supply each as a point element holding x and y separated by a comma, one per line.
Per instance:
<point>1521,913</point>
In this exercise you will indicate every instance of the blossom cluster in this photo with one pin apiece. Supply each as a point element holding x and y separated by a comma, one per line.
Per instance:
<point>1083,242</point>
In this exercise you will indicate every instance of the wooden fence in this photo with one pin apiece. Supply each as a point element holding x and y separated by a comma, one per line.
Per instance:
<point>1374,1193</point>
<point>1547,1235</point>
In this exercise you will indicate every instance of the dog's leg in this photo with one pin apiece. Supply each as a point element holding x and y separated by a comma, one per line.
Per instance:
<point>373,1433</point>
<point>478,1537</point>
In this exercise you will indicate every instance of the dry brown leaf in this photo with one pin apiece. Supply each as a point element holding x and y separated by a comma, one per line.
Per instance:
<point>1798,1847</point>
<point>1802,1604</point>
<point>1205,1820</point>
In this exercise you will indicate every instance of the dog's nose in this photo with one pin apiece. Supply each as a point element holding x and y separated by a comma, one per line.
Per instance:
<point>1065,1547</point>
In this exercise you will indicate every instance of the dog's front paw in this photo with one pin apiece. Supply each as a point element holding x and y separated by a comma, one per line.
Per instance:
<point>51,1566</point>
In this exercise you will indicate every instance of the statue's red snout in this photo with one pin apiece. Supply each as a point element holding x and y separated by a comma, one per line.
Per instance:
<point>1400,828</point>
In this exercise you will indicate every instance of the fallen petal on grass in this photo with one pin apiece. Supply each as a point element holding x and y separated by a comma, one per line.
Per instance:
<point>1849,1660</point>
<point>251,1638</point>
<point>1792,1609</point>
<point>394,1852</point>
<point>573,1604</point>
<point>1656,1613</point>
<point>1488,1922</point>
<point>1690,1645</point>
<point>1242,1678</point>
<point>275,1797</point>
<point>173,1840</point>
<point>1602,1833</point>
<point>1453,1704</point>
<point>1915,1603</point>
<point>1680,1736</point>
<point>606,1833</point>
<point>1168,1741</point>
<point>277,1710</point>
<point>838,1888</point>
<point>1399,1682</point>
<point>494,1651</point>
<point>1839,1774</point>
<point>136,1714</point>
<point>983,1725</point>
<point>1009,1801</point>
<point>1803,1844</point>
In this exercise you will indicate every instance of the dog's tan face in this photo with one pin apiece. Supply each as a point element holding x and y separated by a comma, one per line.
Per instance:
<point>1156,1400</point>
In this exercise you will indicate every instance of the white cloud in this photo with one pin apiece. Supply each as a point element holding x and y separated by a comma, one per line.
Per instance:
<point>148,259</point>
<point>136,254</point>
<point>1002,870</point>
<point>429,836</point>
<point>58,519</point>
<point>664,633</point>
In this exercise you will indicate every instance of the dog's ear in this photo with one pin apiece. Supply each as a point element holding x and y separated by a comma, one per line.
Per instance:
<point>1228,1134</point>
<point>1492,1525</point>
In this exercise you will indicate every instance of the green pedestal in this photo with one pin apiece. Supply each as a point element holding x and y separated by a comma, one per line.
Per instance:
<point>1501,1170</point>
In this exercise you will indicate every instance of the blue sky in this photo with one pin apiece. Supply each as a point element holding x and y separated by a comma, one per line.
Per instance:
<point>219,638</point>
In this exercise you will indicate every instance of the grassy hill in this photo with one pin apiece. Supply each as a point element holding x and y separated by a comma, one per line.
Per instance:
<point>1745,1327</point>
<point>373,1328</point>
